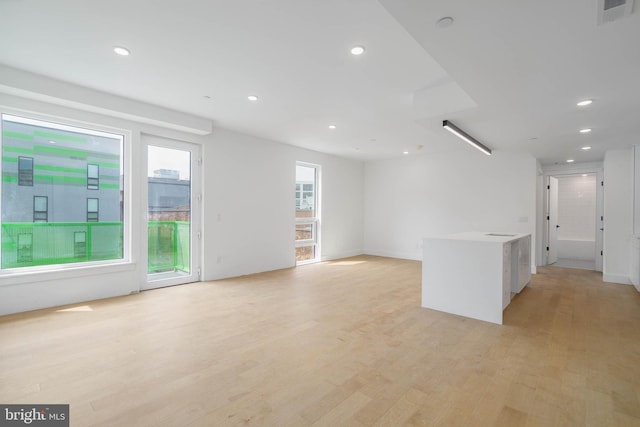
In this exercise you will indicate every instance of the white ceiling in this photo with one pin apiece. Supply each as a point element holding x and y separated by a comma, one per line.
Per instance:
<point>507,72</point>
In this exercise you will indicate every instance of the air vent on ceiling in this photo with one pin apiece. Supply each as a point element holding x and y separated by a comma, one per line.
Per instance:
<point>612,10</point>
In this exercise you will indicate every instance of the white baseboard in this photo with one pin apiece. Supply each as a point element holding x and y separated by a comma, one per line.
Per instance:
<point>413,257</point>
<point>616,278</point>
<point>347,254</point>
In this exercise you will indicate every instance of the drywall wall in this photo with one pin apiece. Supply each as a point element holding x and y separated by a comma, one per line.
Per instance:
<point>577,249</point>
<point>577,216</point>
<point>409,198</point>
<point>249,208</point>
<point>618,224</point>
<point>577,207</point>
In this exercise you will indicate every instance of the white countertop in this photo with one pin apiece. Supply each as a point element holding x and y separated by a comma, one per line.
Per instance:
<point>482,236</point>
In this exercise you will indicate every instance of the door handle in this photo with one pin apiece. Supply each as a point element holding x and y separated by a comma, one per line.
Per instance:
<point>557,226</point>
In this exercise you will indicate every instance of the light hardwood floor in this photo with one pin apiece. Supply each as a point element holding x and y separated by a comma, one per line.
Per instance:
<point>341,343</point>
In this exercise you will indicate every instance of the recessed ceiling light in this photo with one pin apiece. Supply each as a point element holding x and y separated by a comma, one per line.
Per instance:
<point>584,174</point>
<point>252,98</point>
<point>445,22</point>
<point>586,148</point>
<point>587,130</point>
<point>405,152</point>
<point>357,50</point>
<point>584,103</point>
<point>570,161</point>
<point>332,126</point>
<point>51,142</point>
<point>122,51</point>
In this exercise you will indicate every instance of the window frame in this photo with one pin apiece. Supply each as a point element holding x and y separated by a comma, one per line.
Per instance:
<point>97,211</point>
<point>30,274</point>
<point>20,172</point>
<point>93,182</point>
<point>315,220</point>
<point>36,212</point>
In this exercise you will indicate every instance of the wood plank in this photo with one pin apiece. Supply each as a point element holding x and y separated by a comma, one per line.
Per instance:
<point>334,343</point>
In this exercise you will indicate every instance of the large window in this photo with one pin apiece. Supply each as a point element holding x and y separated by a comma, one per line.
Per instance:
<point>307,213</point>
<point>57,181</point>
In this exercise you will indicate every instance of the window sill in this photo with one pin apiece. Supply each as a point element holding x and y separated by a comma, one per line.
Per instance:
<point>60,272</point>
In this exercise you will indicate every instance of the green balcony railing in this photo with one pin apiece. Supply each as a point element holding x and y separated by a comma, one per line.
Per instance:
<point>169,246</point>
<point>35,244</point>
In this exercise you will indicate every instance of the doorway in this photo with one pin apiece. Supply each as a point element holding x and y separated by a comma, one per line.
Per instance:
<point>173,206</point>
<point>573,212</point>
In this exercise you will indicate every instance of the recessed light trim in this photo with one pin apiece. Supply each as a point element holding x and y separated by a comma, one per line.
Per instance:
<point>586,148</point>
<point>332,127</point>
<point>444,22</point>
<point>252,98</point>
<point>586,130</point>
<point>357,50</point>
<point>585,102</point>
<point>122,51</point>
<point>570,160</point>
<point>405,152</point>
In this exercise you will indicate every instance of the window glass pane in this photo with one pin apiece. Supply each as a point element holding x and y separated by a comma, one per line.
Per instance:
<point>65,165</point>
<point>307,220</point>
<point>40,204</point>
<point>305,253</point>
<point>93,177</point>
<point>169,212</point>
<point>92,205</point>
<point>25,171</point>
<point>305,200</point>
<point>25,248</point>
<point>92,171</point>
<point>304,231</point>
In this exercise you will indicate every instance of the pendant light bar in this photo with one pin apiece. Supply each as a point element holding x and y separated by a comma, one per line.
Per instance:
<point>466,137</point>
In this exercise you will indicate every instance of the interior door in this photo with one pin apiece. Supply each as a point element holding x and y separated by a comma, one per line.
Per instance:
<point>552,220</point>
<point>173,212</point>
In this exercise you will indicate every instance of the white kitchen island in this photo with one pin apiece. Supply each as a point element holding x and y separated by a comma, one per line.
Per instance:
<point>475,274</point>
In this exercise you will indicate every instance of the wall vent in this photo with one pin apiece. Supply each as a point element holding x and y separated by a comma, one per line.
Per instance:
<point>612,10</point>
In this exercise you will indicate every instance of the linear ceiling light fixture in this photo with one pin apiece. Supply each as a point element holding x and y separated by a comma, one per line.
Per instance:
<point>466,137</point>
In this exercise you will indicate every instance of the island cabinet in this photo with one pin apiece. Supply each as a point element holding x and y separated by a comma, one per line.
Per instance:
<point>475,274</point>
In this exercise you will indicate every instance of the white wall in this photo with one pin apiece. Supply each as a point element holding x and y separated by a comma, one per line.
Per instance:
<point>248,218</point>
<point>409,198</point>
<point>577,249</point>
<point>618,228</point>
<point>250,205</point>
<point>577,217</point>
<point>577,207</point>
